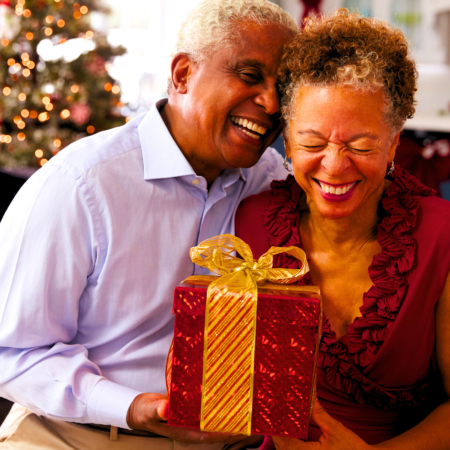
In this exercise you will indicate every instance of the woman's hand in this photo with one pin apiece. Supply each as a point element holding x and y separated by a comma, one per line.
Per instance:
<point>335,436</point>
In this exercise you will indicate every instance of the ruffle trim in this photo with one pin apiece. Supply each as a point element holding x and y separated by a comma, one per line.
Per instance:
<point>342,360</point>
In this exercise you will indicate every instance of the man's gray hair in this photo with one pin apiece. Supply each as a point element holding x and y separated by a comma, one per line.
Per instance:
<point>211,25</point>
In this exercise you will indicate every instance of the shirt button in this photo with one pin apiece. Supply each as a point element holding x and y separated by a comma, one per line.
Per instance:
<point>195,181</point>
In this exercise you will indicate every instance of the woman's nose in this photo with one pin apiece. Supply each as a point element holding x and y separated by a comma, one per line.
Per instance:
<point>335,162</point>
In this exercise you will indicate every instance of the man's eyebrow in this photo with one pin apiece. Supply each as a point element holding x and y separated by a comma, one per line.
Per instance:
<point>247,62</point>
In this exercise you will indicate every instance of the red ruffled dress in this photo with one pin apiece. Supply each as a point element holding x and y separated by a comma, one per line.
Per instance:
<point>381,378</point>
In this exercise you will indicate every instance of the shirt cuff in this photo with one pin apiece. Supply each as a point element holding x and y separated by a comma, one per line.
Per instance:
<point>109,402</point>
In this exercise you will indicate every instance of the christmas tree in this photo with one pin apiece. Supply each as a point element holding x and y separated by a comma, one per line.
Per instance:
<point>54,82</point>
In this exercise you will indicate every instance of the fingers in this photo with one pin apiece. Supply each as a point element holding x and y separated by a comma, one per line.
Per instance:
<point>323,420</point>
<point>285,443</point>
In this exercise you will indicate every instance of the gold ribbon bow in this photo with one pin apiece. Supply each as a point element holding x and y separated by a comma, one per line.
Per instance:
<point>230,326</point>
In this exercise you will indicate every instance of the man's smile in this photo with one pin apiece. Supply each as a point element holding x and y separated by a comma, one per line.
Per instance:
<point>249,127</point>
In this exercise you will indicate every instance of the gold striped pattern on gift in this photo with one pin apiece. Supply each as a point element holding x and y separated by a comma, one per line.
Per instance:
<point>229,355</point>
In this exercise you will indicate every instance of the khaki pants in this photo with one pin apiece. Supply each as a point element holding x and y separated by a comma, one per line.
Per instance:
<point>24,430</point>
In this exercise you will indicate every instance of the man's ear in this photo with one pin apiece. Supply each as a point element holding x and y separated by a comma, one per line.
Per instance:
<point>182,68</point>
<point>393,148</point>
<point>287,145</point>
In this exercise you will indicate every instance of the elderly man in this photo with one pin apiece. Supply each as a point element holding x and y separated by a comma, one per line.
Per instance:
<point>95,242</point>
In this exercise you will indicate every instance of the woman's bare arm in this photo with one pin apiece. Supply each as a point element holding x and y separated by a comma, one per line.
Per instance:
<point>434,431</point>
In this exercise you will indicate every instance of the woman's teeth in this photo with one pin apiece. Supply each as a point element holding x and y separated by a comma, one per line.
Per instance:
<point>248,126</point>
<point>336,190</point>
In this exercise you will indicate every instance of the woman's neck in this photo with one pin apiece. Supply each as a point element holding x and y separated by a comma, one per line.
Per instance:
<point>344,236</point>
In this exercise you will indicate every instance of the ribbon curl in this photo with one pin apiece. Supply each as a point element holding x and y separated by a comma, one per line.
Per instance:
<point>230,325</point>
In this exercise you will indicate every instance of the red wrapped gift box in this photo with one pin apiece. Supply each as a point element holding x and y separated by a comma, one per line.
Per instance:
<point>285,358</point>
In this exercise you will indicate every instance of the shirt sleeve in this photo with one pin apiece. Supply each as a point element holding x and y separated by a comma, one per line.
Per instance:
<point>49,248</point>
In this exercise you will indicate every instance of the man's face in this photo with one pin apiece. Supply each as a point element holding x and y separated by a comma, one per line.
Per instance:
<point>233,91</point>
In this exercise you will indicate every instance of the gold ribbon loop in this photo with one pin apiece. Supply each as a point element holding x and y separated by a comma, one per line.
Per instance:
<point>230,326</point>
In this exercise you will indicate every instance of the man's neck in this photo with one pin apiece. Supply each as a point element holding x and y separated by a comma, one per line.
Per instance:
<point>173,121</point>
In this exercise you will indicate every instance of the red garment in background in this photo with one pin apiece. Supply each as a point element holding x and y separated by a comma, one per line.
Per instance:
<point>310,7</point>
<point>430,172</point>
<point>381,378</point>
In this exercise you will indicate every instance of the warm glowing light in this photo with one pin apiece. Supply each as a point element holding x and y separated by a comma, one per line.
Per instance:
<point>62,40</point>
<point>74,88</point>
<point>115,89</point>
<point>17,119</point>
<point>25,56</point>
<point>57,143</point>
<point>49,19</point>
<point>39,153</point>
<point>7,139</point>
<point>46,100</point>
<point>108,86</point>
<point>108,66</point>
<point>43,116</point>
<point>27,13</point>
<point>19,10</point>
<point>14,77</point>
<point>5,42</point>
<point>21,125</point>
<point>89,34</point>
<point>21,136</point>
<point>76,6</point>
<point>60,23</point>
<point>29,36</point>
<point>43,161</point>
<point>77,15</point>
<point>84,10</point>
<point>31,65</point>
<point>33,114</point>
<point>127,119</point>
<point>57,1</point>
<point>11,61</point>
<point>120,105</point>
<point>25,113</point>
<point>48,106</point>
<point>90,129</point>
<point>65,113</point>
<point>22,97</point>
<point>6,91</point>
<point>21,2</point>
<point>48,31</point>
<point>17,66</point>
<point>26,72</point>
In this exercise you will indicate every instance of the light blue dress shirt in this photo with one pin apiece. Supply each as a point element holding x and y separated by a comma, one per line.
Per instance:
<point>91,250</point>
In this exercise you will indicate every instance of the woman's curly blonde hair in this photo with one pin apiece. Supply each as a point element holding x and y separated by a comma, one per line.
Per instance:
<point>348,49</point>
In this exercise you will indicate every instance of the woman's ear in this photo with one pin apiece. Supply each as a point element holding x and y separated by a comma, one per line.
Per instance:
<point>287,145</point>
<point>182,68</point>
<point>395,143</point>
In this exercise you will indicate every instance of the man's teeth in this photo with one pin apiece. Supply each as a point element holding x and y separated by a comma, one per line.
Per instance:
<point>250,126</point>
<point>334,190</point>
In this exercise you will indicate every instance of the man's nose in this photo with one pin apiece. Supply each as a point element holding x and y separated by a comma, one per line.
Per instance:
<point>335,162</point>
<point>269,100</point>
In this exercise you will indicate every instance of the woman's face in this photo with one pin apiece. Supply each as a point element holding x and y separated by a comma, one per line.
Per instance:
<point>340,148</point>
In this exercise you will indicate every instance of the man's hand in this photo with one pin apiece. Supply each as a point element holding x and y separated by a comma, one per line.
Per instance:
<point>335,436</point>
<point>149,412</point>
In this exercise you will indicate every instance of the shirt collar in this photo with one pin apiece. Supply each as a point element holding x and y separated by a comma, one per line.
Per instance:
<point>161,155</point>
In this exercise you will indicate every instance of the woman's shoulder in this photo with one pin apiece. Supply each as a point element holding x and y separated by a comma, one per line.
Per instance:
<point>263,220</point>
<point>249,222</point>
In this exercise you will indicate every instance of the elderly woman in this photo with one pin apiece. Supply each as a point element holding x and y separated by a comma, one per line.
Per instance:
<point>377,240</point>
